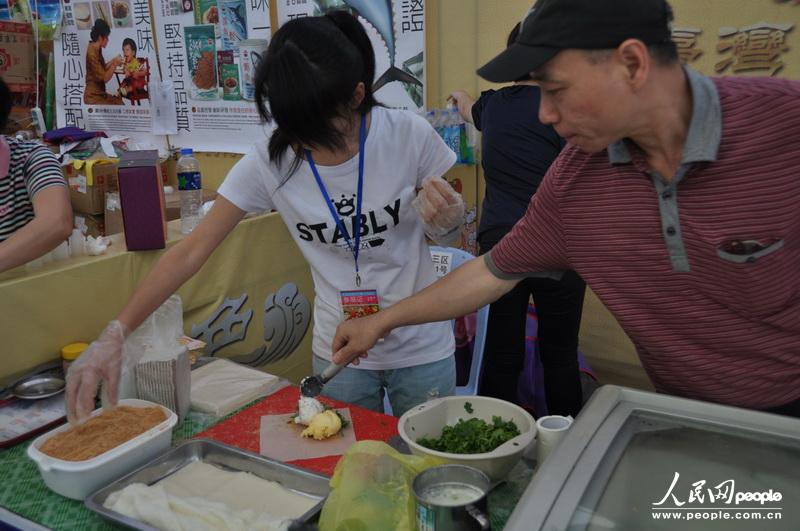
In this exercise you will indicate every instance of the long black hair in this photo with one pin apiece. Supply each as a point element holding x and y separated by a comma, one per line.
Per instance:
<point>307,79</point>
<point>100,29</point>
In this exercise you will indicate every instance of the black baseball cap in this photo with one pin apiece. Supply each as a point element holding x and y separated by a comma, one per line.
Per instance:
<point>554,25</point>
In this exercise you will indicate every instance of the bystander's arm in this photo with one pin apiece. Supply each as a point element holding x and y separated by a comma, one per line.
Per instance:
<point>51,226</point>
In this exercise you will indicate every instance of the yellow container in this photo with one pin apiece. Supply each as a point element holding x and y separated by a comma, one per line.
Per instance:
<point>70,353</point>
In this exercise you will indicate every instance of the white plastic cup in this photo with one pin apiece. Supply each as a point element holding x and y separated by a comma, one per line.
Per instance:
<point>77,243</point>
<point>61,252</point>
<point>549,432</point>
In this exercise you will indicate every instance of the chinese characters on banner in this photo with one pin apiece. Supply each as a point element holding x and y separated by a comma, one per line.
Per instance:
<point>397,31</point>
<point>756,48</point>
<point>685,40</point>
<point>105,59</point>
<point>209,49</point>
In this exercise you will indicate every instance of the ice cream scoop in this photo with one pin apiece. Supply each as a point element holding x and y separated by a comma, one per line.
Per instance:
<point>312,385</point>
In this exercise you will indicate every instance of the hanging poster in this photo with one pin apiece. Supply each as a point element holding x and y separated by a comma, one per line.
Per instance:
<point>397,31</point>
<point>209,49</point>
<point>105,60</point>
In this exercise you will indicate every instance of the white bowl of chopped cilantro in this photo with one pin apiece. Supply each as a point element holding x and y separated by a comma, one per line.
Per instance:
<point>478,431</point>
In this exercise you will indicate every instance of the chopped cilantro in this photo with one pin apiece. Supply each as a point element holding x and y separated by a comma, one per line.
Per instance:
<point>473,436</point>
<point>468,407</point>
<point>345,422</point>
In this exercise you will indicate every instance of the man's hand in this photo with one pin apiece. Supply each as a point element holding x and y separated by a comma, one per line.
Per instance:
<point>355,337</point>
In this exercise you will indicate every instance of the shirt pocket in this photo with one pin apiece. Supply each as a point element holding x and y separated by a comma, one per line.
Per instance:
<point>761,281</point>
<point>750,258</point>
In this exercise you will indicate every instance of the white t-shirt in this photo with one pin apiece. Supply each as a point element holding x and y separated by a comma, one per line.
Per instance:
<point>401,150</point>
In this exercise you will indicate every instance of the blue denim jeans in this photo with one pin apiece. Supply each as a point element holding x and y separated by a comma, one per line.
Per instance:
<point>407,387</point>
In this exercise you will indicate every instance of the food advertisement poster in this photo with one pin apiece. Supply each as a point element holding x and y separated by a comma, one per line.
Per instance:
<point>209,50</point>
<point>105,61</point>
<point>397,31</point>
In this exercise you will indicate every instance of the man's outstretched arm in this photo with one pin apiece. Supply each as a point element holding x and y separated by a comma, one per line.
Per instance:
<point>460,292</point>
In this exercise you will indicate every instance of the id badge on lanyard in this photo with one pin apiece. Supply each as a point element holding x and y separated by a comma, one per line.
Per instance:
<point>358,302</point>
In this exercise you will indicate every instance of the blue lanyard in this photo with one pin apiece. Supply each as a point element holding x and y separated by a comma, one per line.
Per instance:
<point>354,246</point>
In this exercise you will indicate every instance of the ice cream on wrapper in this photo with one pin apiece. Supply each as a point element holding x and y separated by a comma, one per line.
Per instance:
<point>306,409</point>
<point>323,425</point>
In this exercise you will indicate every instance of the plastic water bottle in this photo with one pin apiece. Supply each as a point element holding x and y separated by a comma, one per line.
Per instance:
<point>190,190</point>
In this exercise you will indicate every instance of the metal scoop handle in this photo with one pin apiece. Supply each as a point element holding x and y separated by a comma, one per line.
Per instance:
<point>330,371</point>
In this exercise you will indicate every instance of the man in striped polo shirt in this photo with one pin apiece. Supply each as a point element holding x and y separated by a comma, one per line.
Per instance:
<point>35,212</point>
<point>677,202</point>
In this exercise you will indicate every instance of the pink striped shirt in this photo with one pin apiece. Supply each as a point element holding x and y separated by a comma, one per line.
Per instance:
<point>711,319</point>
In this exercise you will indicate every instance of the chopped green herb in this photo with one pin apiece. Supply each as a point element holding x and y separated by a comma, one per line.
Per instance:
<point>473,436</point>
<point>468,407</point>
<point>345,422</point>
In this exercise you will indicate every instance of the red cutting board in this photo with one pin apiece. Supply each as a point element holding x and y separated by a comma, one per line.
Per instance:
<point>243,429</point>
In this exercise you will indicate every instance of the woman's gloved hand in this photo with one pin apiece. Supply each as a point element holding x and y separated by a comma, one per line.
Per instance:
<point>442,210</point>
<point>101,362</point>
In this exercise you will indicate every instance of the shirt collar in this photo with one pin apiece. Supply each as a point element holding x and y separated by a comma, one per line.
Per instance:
<point>5,156</point>
<point>705,128</point>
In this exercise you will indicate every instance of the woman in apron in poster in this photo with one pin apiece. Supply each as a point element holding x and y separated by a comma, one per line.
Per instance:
<point>98,72</point>
<point>343,172</point>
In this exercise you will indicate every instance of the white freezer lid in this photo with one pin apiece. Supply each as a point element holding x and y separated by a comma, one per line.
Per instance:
<point>620,458</point>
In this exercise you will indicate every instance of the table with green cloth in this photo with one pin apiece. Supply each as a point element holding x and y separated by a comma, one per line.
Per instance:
<point>23,491</point>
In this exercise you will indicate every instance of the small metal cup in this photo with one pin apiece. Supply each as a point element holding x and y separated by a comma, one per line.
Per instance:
<point>435,515</point>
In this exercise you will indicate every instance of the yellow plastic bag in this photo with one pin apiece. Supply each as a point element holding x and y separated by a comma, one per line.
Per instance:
<point>372,489</point>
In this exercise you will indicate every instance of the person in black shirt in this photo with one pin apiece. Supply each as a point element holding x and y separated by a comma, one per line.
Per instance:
<point>517,150</point>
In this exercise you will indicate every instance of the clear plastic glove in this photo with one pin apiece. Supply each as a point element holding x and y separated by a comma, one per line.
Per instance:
<point>101,362</point>
<point>441,208</point>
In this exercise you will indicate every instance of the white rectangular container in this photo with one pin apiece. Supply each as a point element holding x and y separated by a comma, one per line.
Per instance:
<point>78,479</point>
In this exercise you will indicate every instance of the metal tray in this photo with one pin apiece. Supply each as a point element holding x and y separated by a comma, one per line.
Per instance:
<point>223,456</point>
<point>38,386</point>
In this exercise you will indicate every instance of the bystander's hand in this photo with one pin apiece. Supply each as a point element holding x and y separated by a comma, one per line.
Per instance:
<point>441,208</point>
<point>463,102</point>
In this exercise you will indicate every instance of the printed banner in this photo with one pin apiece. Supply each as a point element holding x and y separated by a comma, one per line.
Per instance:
<point>209,49</point>
<point>105,59</point>
<point>397,31</point>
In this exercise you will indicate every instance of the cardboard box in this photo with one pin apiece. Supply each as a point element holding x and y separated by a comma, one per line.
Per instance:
<point>113,215</point>
<point>16,56</point>
<point>173,203</point>
<point>141,194</point>
<point>88,182</point>
<point>91,225</point>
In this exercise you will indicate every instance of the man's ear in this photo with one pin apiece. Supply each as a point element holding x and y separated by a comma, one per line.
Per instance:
<point>635,58</point>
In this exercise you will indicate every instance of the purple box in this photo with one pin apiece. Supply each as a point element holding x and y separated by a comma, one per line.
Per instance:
<point>142,197</point>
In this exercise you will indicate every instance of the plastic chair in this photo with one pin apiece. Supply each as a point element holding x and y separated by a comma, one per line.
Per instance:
<point>460,256</point>
<point>457,257</point>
